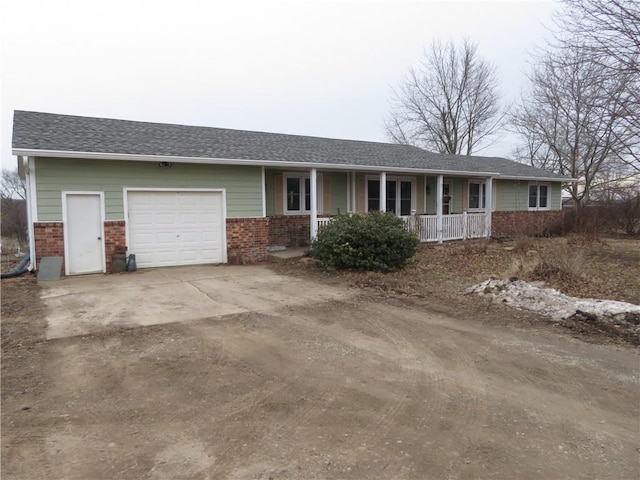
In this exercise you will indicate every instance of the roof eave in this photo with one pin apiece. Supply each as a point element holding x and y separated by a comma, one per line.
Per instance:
<point>246,162</point>
<point>538,179</point>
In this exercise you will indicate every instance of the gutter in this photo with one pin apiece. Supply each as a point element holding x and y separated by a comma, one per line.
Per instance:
<point>540,179</point>
<point>274,163</point>
<point>246,162</point>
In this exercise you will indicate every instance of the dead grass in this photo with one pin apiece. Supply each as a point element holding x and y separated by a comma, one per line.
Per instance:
<point>438,274</point>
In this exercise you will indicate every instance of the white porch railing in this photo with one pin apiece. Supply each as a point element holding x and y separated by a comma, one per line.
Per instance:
<point>458,226</point>
<point>323,221</point>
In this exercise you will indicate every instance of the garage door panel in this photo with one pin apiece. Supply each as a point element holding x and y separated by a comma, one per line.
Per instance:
<point>141,239</point>
<point>186,200</point>
<point>162,199</point>
<point>188,219</point>
<point>189,255</point>
<point>187,238</point>
<point>141,218</point>
<point>168,219</point>
<point>209,217</point>
<point>175,228</point>
<point>211,236</point>
<point>165,238</point>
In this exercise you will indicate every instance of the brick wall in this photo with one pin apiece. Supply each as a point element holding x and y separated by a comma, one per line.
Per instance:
<point>289,230</point>
<point>113,235</point>
<point>527,223</point>
<point>247,239</point>
<point>49,240</point>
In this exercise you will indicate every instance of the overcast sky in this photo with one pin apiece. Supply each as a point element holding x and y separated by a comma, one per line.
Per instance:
<point>322,68</point>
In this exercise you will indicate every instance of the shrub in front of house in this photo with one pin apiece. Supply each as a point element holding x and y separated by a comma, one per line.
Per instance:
<point>374,241</point>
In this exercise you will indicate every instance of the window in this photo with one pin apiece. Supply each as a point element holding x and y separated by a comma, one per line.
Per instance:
<point>373,197</point>
<point>538,196</point>
<point>477,195</point>
<point>298,194</point>
<point>399,196</point>
<point>446,198</point>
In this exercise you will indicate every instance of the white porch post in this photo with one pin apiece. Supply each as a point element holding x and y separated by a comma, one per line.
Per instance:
<point>424,196</point>
<point>313,182</point>
<point>349,207</point>
<point>354,193</point>
<point>488,206</point>
<point>439,192</point>
<point>383,191</point>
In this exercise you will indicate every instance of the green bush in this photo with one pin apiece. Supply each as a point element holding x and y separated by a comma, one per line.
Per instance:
<point>373,241</point>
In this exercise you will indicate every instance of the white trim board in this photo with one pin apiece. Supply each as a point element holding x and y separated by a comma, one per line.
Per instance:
<point>247,162</point>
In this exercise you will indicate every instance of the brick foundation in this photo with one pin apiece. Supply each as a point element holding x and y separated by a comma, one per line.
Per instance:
<point>527,223</point>
<point>247,239</point>
<point>113,235</point>
<point>289,230</point>
<point>49,241</point>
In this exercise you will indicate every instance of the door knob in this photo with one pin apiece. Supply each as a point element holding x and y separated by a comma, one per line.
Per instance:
<point>99,238</point>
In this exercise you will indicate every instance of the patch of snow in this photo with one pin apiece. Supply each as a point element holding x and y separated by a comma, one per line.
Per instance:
<point>554,304</point>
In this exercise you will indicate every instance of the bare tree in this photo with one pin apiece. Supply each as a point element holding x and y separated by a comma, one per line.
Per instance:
<point>606,29</point>
<point>12,185</point>
<point>449,103</point>
<point>13,219</point>
<point>608,32</point>
<point>574,119</point>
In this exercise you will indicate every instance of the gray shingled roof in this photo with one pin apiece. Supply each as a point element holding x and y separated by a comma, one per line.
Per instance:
<point>33,131</point>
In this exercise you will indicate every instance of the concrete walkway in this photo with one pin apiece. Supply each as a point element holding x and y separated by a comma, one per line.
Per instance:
<point>87,304</point>
<point>288,254</point>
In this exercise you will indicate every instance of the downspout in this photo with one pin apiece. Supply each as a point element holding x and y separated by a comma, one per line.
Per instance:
<point>20,269</point>
<point>28,164</point>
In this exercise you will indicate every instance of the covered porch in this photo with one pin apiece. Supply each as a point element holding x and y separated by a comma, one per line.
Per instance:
<point>438,206</point>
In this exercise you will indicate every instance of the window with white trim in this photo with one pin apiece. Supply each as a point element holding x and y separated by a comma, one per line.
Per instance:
<point>539,196</point>
<point>400,195</point>
<point>477,195</point>
<point>297,194</point>
<point>447,198</point>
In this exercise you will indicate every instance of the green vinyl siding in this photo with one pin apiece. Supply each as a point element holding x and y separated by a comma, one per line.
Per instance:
<point>270,192</point>
<point>338,192</point>
<point>457,191</point>
<point>243,185</point>
<point>513,195</point>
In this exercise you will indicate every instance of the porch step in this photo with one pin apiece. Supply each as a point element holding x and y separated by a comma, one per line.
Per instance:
<point>288,254</point>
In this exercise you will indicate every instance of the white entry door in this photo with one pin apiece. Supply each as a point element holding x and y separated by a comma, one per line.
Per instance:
<point>84,233</point>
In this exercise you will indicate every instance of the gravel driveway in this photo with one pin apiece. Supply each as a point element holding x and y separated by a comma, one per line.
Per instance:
<point>337,384</point>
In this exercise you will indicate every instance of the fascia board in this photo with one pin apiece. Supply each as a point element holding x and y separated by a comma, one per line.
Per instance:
<point>539,179</point>
<point>248,162</point>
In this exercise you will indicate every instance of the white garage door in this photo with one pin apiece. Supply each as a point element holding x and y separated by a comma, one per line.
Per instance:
<point>176,227</point>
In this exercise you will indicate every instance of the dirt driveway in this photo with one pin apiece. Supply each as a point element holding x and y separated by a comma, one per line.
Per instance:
<point>337,385</point>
